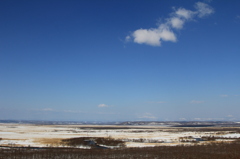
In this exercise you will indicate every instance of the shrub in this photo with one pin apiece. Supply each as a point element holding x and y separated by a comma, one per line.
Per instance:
<point>99,140</point>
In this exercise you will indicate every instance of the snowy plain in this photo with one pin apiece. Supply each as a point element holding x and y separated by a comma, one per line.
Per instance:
<point>134,136</point>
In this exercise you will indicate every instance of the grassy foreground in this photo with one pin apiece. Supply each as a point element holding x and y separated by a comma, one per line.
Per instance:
<point>210,151</point>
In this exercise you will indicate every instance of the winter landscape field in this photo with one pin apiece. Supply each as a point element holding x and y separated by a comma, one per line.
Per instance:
<point>131,134</point>
<point>21,137</point>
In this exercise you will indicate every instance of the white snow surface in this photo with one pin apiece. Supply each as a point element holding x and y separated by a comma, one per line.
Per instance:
<point>42,135</point>
<point>235,135</point>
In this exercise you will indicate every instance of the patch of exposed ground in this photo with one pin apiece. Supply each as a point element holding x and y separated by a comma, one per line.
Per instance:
<point>52,142</point>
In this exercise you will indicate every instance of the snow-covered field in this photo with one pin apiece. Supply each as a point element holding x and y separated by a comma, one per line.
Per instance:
<point>134,136</point>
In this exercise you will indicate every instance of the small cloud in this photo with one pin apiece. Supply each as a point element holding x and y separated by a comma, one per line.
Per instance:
<point>224,95</point>
<point>197,119</point>
<point>203,9</point>
<point>147,116</point>
<point>72,111</point>
<point>102,105</point>
<point>47,109</point>
<point>230,116</point>
<point>208,1</point>
<point>184,13</point>
<point>110,113</point>
<point>128,38</point>
<point>158,102</point>
<point>196,102</point>
<point>183,119</point>
<point>153,36</point>
<point>238,16</point>
<point>176,23</point>
<point>209,119</point>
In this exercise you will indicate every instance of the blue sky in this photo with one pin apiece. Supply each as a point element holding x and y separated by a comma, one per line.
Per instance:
<point>119,60</point>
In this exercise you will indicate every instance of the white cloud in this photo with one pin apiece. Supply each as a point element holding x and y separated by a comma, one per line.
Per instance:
<point>197,119</point>
<point>164,31</point>
<point>55,110</point>
<point>176,23</point>
<point>196,102</point>
<point>148,116</point>
<point>153,36</point>
<point>166,34</point>
<point>110,113</point>
<point>183,119</point>
<point>209,119</point>
<point>208,1</point>
<point>184,13</point>
<point>128,38</point>
<point>72,111</point>
<point>203,9</point>
<point>47,109</point>
<point>224,95</point>
<point>150,37</point>
<point>102,105</point>
<point>158,102</point>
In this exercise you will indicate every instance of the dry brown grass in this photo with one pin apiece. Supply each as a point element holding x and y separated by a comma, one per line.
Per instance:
<point>52,142</point>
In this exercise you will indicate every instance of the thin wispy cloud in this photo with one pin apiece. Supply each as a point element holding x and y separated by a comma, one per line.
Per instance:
<point>157,102</point>
<point>203,9</point>
<point>147,116</point>
<point>223,95</point>
<point>111,113</point>
<point>102,105</point>
<point>73,111</point>
<point>183,119</point>
<point>47,109</point>
<point>196,102</point>
<point>208,119</point>
<point>208,1</point>
<point>226,95</point>
<point>59,111</point>
<point>165,30</point>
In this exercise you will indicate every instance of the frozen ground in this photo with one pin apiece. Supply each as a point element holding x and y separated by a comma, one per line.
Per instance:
<point>134,136</point>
